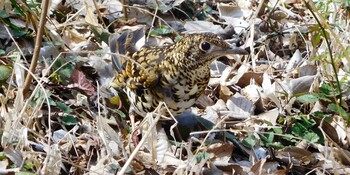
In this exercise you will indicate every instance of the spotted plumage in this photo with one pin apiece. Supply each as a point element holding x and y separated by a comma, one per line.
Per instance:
<point>176,74</point>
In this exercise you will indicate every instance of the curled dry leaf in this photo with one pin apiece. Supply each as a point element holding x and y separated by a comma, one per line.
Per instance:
<point>203,101</point>
<point>80,81</point>
<point>342,156</point>
<point>217,68</point>
<point>328,129</point>
<point>301,85</point>
<point>270,116</point>
<point>294,61</point>
<point>221,151</point>
<point>14,155</point>
<point>297,156</point>
<point>162,147</point>
<point>252,92</point>
<point>250,78</point>
<point>90,18</point>
<point>210,115</point>
<point>240,106</point>
<point>19,72</point>
<point>241,71</point>
<point>264,167</point>
<point>308,70</point>
<point>235,14</point>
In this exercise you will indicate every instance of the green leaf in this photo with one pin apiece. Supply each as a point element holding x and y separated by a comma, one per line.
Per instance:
<point>307,122</point>
<point>250,141</point>
<point>17,8</point>
<point>320,114</point>
<point>306,129</point>
<point>121,113</point>
<point>337,109</point>
<point>316,39</point>
<point>2,156</point>
<point>64,107</point>
<point>5,72</point>
<point>3,14</point>
<point>29,166</point>
<point>267,137</point>
<point>163,30</point>
<point>328,90</point>
<point>202,155</point>
<point>69,120</point>
<point>289,137</point>
<point>314,28</point>
<point>299,129</point>
<point>308,98</point>
<point>2,52</point>
<point>66,71</point>
<point>311,137</point>
<point>51,102</point>
<point>40,97</point>
<point>277,130</point>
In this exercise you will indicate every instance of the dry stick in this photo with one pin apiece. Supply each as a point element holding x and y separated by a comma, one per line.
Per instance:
<point>99,13</point>
<point>125,11</point>
<point>38,39</point>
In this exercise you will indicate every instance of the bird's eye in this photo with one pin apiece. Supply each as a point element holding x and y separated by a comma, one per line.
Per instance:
<point>205,46</point>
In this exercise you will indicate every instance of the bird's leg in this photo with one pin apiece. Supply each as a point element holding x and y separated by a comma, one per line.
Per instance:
<point>132,121</point>
<point>134,133</point>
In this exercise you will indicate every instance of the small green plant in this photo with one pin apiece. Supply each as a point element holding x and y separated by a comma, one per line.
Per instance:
<point>162,30</point>
<point>307,128</point>
<point>328,95</point>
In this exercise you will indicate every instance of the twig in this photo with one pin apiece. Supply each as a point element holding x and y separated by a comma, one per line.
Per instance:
<point>38,42</point>
<point>125,10</point>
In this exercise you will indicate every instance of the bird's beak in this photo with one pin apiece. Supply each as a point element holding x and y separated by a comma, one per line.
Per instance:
<point>237,50</point>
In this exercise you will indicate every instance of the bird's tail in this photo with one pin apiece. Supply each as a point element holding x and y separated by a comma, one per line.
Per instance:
<point>126,42</point>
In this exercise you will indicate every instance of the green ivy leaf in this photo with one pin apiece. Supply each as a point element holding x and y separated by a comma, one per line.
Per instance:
<point>337,109</point>
<point>64,107</point>
<point>308,98</point>
<point>202,155</point>
<point>250,141</point>
<point>311,137</point>
<point>5,72</point>
<point>69,120</point>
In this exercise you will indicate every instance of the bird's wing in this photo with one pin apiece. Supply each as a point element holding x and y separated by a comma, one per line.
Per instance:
<point>145,70</point>
<point>123,44</point>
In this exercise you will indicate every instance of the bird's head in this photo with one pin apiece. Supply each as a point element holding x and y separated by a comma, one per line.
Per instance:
<point>202,49</point>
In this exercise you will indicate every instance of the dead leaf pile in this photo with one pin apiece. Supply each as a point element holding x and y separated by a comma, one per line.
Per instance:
<point>282,109</point>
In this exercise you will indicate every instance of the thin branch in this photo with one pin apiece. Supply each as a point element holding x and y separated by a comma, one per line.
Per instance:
<point>45,7</point>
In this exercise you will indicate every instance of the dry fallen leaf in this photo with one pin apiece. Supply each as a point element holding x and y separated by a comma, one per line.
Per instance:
<point>80,81</point>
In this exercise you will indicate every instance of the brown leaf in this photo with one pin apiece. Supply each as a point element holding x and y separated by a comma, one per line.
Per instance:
<point>80,81</point>
<point>221,151</point>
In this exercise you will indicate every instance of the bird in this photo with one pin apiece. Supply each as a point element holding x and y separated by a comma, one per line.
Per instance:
<point>176,74</point>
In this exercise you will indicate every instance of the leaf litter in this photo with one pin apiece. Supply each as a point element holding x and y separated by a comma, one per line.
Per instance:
<point>283,109</point>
